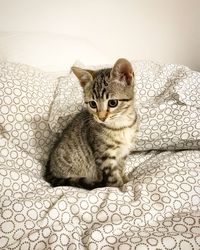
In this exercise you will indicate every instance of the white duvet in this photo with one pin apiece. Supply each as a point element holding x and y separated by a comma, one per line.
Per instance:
<point>157,209</point>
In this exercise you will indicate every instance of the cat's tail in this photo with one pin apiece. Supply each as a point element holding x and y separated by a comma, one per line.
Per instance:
<point>80,182</point>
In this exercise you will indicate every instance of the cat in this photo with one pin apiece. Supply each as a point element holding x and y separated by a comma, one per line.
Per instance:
<point>92,150</point>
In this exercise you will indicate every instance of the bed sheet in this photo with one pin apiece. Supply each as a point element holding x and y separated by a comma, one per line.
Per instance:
<point>157,209</point>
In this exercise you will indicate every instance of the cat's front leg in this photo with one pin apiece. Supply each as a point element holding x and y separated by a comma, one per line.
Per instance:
<point>112,171</point>
<point>114,177</point>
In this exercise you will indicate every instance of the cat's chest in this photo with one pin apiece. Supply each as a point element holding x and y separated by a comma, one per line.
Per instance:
<point>121,140</point>
<point>126,137</point>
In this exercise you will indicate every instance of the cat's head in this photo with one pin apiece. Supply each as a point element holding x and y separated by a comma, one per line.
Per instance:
<point>109,93</point>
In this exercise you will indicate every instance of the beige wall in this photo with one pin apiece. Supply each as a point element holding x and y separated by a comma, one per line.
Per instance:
<point>161,30</point>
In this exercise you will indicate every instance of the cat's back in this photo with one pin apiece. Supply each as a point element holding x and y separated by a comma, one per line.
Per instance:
<point>76,132</point>
<point>78,123</point>
<point>73,150</point>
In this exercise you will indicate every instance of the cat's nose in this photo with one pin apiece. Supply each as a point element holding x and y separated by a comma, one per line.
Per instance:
<point>102,116</point>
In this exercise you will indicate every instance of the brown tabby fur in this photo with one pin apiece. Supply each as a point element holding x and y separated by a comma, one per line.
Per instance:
<point>94,146</point>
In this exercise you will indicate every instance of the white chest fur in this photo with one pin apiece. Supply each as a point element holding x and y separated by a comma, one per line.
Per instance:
<point>126,138</point>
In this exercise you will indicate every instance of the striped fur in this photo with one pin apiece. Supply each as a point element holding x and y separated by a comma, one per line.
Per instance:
<point>94,146</point>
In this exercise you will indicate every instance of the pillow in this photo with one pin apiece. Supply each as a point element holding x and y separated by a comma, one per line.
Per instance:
<point>26,95</point>
<point>47,51</point>
<point>167,100</point>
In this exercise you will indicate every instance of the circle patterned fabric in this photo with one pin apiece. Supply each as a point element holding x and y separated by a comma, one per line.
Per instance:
<point>26,95</point>
<point>167,101</point>
<point>157,209</point>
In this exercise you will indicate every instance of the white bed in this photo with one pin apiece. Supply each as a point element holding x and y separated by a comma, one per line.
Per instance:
<point>157,209</point>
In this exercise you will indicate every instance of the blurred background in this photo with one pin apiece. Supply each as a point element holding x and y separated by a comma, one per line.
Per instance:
<point>158,30</point>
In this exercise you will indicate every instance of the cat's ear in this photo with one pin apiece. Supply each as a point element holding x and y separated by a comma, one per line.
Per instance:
<point>83,75</point>
<point>123,71</point>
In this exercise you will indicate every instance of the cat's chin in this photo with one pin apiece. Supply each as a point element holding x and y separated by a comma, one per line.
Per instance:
<point>113,123</point>
<point>119,122</point>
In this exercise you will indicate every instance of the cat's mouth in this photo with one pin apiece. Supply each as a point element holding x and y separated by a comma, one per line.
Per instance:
<point>115,120</point>
<point>101,120</point>
<point>108,120</point>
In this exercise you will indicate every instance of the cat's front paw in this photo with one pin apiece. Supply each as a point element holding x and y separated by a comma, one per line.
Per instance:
<point>114,177</point>
<point>125,179</point>
<point>115,181</point>
<point>112,182</point>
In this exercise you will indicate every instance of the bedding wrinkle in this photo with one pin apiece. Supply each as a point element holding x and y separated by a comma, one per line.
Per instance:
<point>157,209</point>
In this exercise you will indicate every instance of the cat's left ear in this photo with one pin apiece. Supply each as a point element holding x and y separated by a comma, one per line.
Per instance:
<point>123,71</point>
<point>84,76</point>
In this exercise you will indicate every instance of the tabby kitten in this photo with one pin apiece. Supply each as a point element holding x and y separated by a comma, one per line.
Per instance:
<point>94,146</point>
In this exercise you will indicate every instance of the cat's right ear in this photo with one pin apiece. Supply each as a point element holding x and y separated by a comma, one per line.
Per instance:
<point>123,71</point>
<point>84,76</point>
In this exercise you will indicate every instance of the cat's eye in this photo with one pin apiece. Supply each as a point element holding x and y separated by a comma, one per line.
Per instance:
<point>112,103</point>
<point>93,104</point>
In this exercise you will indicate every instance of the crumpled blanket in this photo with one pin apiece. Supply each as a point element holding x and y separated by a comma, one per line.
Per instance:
<point>159,208</point>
